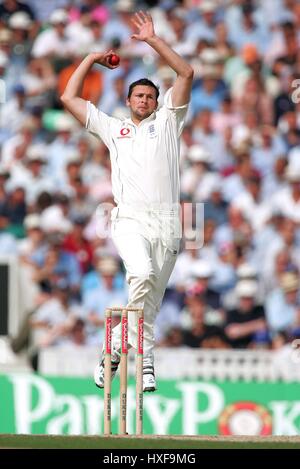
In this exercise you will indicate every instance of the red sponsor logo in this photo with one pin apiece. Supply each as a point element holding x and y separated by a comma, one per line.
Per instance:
<point>124,131</point>
<point>241,415</point>
<point>124,335</point>
<point>108,335</point>
<point>140,336</point>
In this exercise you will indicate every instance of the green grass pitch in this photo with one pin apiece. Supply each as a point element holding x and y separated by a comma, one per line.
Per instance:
<point>147,442</point>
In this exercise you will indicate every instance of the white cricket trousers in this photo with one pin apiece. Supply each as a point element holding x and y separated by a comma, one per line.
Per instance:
<point>147,244</point>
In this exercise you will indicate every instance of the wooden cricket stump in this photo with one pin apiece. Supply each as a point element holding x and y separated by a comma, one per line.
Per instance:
<point>107,372</point>
<point>139,372</point>
<point>123,369</point>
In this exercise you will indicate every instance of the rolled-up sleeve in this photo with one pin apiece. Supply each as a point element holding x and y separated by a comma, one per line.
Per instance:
<point>178,113</point>
<point>98,123</point>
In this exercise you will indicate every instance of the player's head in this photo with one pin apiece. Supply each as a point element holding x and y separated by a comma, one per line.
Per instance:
<point>143,82</point>
<point>142,98</point>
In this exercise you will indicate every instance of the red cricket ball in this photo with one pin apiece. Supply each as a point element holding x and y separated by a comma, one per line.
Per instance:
<point>114,59</point>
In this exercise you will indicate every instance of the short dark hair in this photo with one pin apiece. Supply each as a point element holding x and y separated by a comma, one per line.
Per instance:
<point>143,82</point>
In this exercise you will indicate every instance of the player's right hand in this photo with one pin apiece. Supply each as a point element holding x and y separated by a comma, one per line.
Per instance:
<point>103,59</point>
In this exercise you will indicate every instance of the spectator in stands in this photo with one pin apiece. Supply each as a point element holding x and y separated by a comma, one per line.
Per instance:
<point>55,213</point>
<point>119,25</point>
<point>283,101</point>
<point>177,19</point>
<point>284,44</point>
<point>54,263</point>
<point>93,83</point>
<point>10,7</point>
<point>53,42</point>
<point>248,319</point>
<point>31,175</point>
<point>248,30</point>
<point>39,82</point>
<point>222,42</point>
<point>4,176</point>
<point>13,211</point>
<point>267,150</point>
<point>279,340</point>
<point>5,52</point>
<point>234,181</point>
<point>172,338</point>
<point>28,247</point>
<point>53,321</point>
<point>196,179</point>
<point>98,42</point>
<point>97,300</point>
<point>289,129</point>
<point>77,243</point>
<point>200,332</point>
<point>14,149</point>
<point>224,268</point>
<point>284,240</point>
<point>226,116</point>
<point>84,148</point>
<point>205,27</point>
<point>71,172</point>
<point>282,263</point>
<point>239,68</point>
<point>43,201</point>
<point>77,333</point>
<point>248,272</point>
<point>169,314</point>
<point>99,11</point>
<point>4,61</point>
<point>62,146</point>
<point>79,30</point>
<point>22,37</point>
<point>113,103</point>
<point>13,113</point>
<point>256,99</point>
<point>237,227</point>
<point>215,207</point>
<point>208,94</point>
<point>282,304</point>
<point>288,199</point>
<point>96,169</point>
<point>275,180</point>
<point>35,238</point>
<point>251,204</point>
<point>92,280</point>
<point>183,267</point>
<point>82,204</point>
<point>204,134</point>
<point>202,274</point>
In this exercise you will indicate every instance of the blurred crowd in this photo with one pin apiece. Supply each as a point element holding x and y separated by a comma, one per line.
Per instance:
<point>240,157</point>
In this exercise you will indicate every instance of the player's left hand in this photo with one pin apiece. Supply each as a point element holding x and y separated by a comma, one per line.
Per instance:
<point>144,24</point>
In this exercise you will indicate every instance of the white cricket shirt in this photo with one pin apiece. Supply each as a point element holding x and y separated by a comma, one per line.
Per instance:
<point>144,158</point>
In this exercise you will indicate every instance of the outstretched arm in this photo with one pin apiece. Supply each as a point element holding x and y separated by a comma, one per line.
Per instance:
<point>71,96</point>
<point>183,83</point>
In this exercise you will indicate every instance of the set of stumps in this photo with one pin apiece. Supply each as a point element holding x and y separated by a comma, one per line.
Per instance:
<point>123,369</point>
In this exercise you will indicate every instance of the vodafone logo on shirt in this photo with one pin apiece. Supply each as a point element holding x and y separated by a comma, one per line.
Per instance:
<point>125,132</point>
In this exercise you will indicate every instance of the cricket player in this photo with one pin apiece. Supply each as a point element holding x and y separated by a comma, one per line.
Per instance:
<point>144,152</point>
